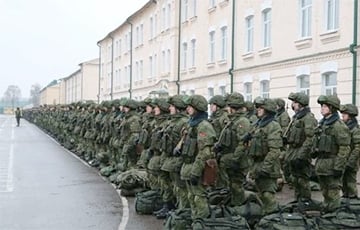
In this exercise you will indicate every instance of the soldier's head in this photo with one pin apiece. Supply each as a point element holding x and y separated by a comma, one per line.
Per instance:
<point>264,106</point>
<point>299,100</point>
<point>149,106</point>
<point>217,102</point>
<point>161,106</point>
<point>329,104</point>
<point>249,106</point>
<point>280,103</point>
<point>235,101</point>
<point>177,104</point>
<point>130,104</point>
<point>196,103</point>
<point>349,112</point>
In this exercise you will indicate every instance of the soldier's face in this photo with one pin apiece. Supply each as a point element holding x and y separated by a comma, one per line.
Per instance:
<point>172,109</point>
<point>325,110</point>
<point>260,112</point>
<point>126,109</point>
<point>157,110</point>
<point>213,108</point>
<point>190,110</point>
<point>345,117</point>
<point>295,106</point>
<point>148,109</point>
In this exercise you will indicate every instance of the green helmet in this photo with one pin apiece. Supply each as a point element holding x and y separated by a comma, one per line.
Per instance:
<point>198,102</point>
<point>349,109</point>
<point>268,104</point>
<point>130,103</point>
<point>235,100</point>
<point>299,97</point>
<point>249,105</point>
<point>218,100</point>
<point>280,102</point>
<point>331,100</point>
<point>162,104</point>
<point>177,101</point>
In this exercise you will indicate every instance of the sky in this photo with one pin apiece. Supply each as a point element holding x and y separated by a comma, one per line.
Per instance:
<point>44,40</point>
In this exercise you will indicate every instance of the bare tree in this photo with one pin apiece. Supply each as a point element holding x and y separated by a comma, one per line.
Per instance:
<point>35,94</point>
<point>12,95</point>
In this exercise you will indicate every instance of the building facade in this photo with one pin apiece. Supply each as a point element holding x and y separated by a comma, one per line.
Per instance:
<point>255,47</point>
<point>50,95</point>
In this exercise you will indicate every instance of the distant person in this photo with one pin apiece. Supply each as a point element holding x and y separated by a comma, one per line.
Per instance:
<point>18,116</point>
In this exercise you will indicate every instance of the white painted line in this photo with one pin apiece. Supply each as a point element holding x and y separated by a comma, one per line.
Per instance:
<point>9,183</point>
<point>125,215</point>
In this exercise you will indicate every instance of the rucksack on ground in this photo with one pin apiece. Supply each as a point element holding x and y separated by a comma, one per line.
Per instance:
<point>148,201</point>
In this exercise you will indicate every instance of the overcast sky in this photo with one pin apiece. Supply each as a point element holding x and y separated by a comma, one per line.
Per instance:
<point>43,40</point>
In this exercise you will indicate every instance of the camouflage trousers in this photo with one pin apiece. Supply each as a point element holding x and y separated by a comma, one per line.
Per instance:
<point>166,186</point>
<point>180,191</point>
<point>301,180</point>
<point>198,201</point>
<point>330,188</point>
<point>349,188</point>
<point>267,188</point>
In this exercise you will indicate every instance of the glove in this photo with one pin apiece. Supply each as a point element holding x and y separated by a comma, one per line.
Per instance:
<point>149,154</point>
<point>217,148</point>
<point>194,180</point>
<point>285,141</point>
<point>337,173</point>
<point>176,152</point>
<point>247,138</point>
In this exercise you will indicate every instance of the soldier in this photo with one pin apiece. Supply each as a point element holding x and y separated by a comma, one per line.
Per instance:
<point>218,113</point>
<point>17,116</point>
<point>130,129</point>
<point>331,148</point>
<point>171,185</point>
<point>198,139</point>
<point>230,149</point>
<point>349,113</point>
<point>250,112</point>
<point>264,149</point>
<point>298,136</point>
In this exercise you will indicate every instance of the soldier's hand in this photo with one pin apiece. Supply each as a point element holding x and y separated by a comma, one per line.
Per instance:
<point>176,152</point>
<point>217,148</point>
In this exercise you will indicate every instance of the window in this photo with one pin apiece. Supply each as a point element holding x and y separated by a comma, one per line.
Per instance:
<point>249,43</point>
<point>210,92</point>
<point>136,71</point>
<point>184,55</point>
<point>168,21</point>
<point>329,83</point>
<point>193,51</point>
<point>212,4</point>
<point>141,70</point>
<point>192,92</point>
<point>305,17</point>
<point>151,27</point>
<point>223,43</point>
<point>194,5</point>
<point>266,16</point>
<point>141,36</point>
<point>212,46</point>
<point>110,53</point>
<point>163,64</point>
<point>137,36</point>
<point>183,92</point>
<point>155,65</point>
<point>303,83</point>
<point>264,89</point>
<point>168,61</point>
<point>155,24</point>
<point>248,91</point>
<point>332,14</point>
<point>185,9</point>
<point>151,67</point>
<point>163,24</point>
<point>222,90</point>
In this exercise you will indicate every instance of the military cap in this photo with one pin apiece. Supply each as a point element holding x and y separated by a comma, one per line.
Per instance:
<point>130,103</point>
<point>269,105</point>
<point>299,97</point>
<point>198,102</point>
<point>280,102</point>
<point>349,109</point>
<point>331,100</point>
<point>249,105</point>
<point>162,104</point>
<point>218,100</point>
<point>115,102</point>
<point>235,100</point>
<point>258,101</point>
<point>177,101</point>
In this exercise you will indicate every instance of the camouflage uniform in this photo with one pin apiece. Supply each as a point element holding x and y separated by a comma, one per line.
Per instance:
<point>331,148</point>
<point>250,112</point>
<point>230,149</point>
<point>299,137</point>
<point>264,150</point>
<point>218,117</point>
<point>198,138</point>
<point>349,188</point>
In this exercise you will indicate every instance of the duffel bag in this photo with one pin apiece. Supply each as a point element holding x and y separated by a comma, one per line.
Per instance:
<point>148,201</point>
<point>340,219</point>
<point>286,221</point>
<point>180,219</point>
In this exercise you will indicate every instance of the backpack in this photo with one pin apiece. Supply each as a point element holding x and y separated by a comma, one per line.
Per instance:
<point>285,221</point>
<point>148,201</point>
<point>226,221</point>
<point>133,178</point>
<point>340,219</point>
<point>179,219</point>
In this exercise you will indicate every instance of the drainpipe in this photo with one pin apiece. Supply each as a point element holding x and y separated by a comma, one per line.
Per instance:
<point>112,68</point>
<point>98,96</point>
<point>179,51</point>
<point>231,70</point>
<point>131,56</point>
<point>353,48</point>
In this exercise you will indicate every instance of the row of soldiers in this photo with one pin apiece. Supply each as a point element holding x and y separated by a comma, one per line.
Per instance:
<point>177,143</point>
